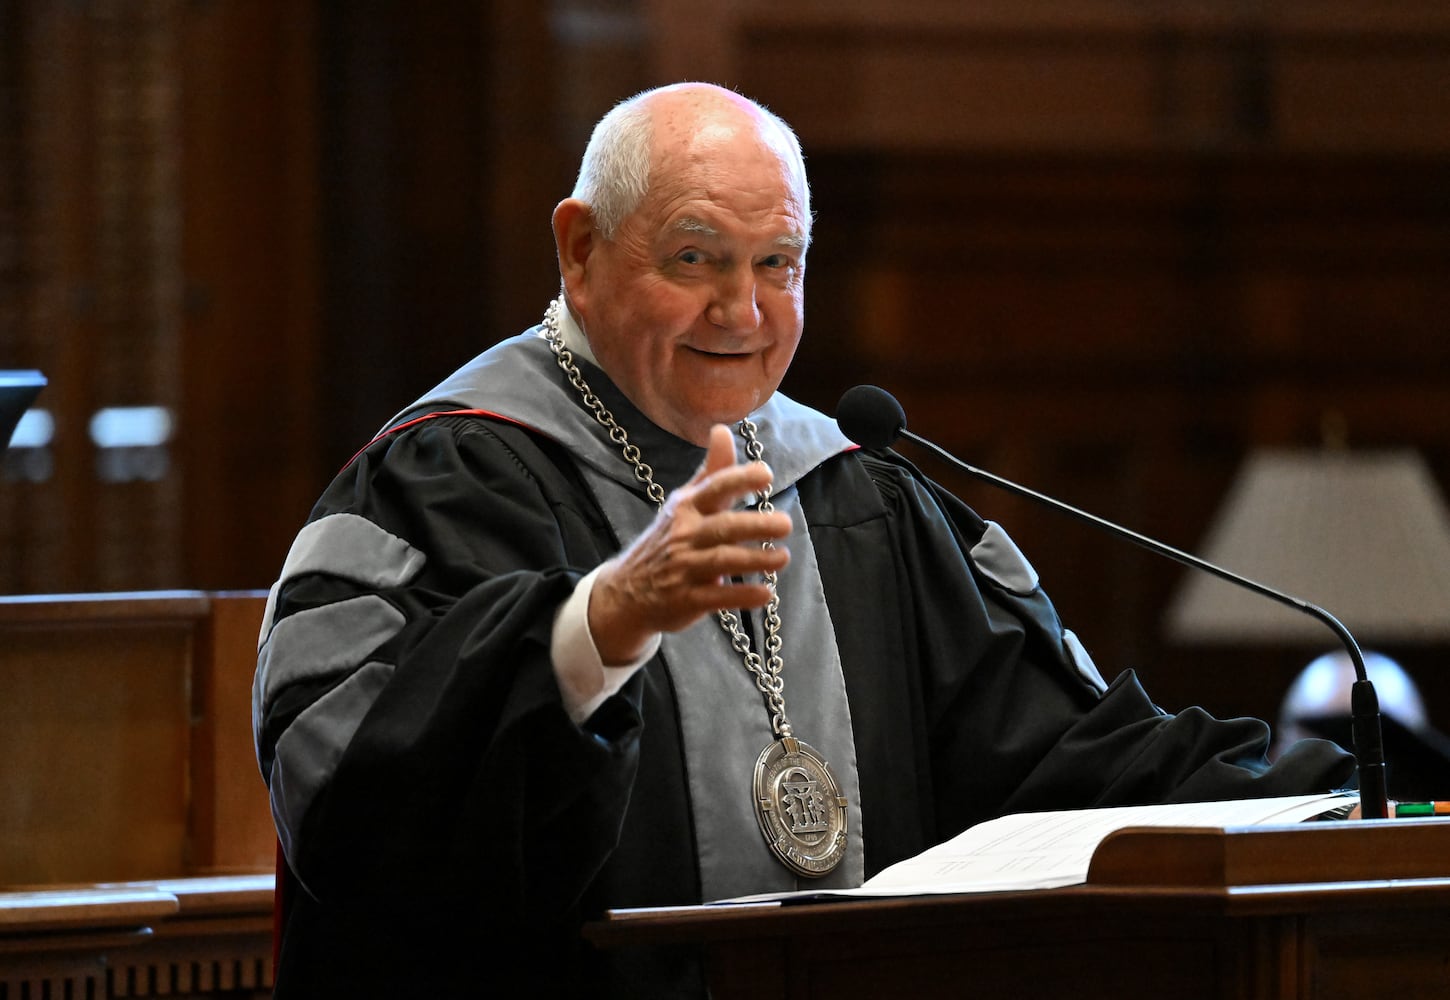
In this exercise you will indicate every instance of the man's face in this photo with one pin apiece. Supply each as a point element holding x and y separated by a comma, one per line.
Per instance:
<point>695,308</point>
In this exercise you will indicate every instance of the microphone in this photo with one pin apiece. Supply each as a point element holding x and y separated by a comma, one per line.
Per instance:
<point>871,416</point>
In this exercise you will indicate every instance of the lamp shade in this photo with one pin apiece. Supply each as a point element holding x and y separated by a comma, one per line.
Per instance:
<point>1362,534</point>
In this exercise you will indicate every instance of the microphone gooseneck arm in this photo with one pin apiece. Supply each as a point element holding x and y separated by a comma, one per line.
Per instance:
<point>872,414</point>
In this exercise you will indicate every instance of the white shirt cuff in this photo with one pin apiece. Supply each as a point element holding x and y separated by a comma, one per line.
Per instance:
<point>584,680</point>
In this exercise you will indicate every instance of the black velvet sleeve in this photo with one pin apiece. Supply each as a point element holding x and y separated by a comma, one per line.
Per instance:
<point>466,780</point>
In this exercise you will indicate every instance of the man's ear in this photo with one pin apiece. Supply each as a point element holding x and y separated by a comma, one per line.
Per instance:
<point>575,239</point>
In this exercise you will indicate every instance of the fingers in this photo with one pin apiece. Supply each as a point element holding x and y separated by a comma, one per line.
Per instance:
<point>730,596</point>
<point>704,564</point>
<point>634,599</point>
<point>691,561</point>
<point>740,527</point>
<point>680,559</point>
<point>722,482</point>
<point>625,611</point>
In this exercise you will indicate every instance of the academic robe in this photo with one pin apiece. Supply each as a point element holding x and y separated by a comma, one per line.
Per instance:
<point>448,828</point>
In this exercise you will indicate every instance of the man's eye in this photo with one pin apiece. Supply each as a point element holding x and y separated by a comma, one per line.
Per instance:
<point>691,257</point>
<point>775,261</point>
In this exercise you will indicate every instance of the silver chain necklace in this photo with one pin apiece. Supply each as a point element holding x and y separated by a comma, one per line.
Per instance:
<point>801,812</point>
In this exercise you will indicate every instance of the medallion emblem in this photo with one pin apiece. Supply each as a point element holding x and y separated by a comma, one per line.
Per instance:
<point>801,810</point>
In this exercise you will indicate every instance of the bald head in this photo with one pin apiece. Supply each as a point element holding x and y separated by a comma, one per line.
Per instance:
<point>655,133</point>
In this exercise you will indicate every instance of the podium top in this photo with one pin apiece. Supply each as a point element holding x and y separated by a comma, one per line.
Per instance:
<point>1298,854</point>
<point>1348,865</point>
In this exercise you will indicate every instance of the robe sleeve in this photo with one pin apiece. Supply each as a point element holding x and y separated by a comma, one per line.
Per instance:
<point>408,720</point>
<point>1017,714</point>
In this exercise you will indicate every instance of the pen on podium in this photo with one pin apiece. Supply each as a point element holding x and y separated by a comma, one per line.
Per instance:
<point>1420,809</point>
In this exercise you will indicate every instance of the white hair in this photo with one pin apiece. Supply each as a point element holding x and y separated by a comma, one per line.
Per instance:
<point>614,172</point>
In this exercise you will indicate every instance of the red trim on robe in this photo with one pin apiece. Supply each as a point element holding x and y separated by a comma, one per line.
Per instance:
<point>440,413</point>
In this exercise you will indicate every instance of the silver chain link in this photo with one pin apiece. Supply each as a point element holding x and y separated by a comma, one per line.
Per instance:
<point>767,673</point>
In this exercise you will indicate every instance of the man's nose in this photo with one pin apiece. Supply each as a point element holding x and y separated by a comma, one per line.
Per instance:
<point>733,306</point>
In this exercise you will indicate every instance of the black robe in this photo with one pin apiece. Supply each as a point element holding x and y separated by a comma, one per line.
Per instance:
<point>469,826</point>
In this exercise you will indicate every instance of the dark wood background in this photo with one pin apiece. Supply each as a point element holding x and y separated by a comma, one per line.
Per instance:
<point>1103,248</point>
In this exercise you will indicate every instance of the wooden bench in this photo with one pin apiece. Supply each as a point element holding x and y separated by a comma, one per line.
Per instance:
<point>136,845</point>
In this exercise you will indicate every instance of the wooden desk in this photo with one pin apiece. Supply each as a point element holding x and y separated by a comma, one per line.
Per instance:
<point>1352,910</point>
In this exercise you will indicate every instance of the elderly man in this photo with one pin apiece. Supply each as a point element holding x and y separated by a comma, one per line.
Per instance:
<point>548,646</point>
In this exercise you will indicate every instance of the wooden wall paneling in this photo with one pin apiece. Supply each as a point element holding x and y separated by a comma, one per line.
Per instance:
<point>11,203</point>
<point>531,143</point>
<point>12,270</point>
<point>1376,85</point>
<point>251,342</point>
<point>1077,74</point>
<point>50,527</point>
<point>160,140</point>
<point>134,355</point>
<point>402,145</point>
<point>448,135</point>
<point>603,52</point>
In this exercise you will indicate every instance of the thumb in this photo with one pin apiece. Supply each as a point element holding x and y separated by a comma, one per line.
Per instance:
<point>720,453</point>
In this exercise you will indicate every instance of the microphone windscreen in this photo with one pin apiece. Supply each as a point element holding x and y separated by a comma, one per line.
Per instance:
<point>870,416</point>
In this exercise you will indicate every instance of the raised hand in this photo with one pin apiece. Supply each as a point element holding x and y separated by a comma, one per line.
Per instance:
<point>681,567</point>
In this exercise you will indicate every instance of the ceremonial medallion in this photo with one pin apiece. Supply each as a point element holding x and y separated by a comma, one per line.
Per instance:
<point>802,813</point>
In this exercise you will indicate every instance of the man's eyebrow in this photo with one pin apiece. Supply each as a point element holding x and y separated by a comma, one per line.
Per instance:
<point>699,227</point>
<point>690,224</point>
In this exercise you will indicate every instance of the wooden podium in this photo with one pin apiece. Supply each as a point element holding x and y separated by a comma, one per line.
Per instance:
<point>1318,910</point>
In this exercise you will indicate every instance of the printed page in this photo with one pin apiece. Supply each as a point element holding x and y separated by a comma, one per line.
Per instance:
<point>1041,850</point>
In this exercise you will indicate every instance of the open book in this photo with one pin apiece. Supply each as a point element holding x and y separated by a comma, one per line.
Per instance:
<point>1048,849</point>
